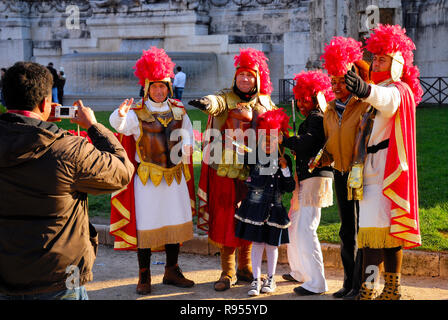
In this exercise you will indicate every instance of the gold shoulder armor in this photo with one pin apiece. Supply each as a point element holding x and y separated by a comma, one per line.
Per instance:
<point>137,105</point>
<point>144,115</point>
<point>177,109</point>
<point>266,102</point>
<point>231,98</point>
<point>175,103</point>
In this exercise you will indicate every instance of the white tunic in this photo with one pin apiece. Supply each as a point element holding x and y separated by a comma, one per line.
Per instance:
<point>163,213</point>
<point>375,207</point>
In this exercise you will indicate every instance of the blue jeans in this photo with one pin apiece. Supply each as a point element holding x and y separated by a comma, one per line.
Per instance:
<point>66,294</point>
<point>2,100</point>
<point>178,93</point>
<point>54,94</point>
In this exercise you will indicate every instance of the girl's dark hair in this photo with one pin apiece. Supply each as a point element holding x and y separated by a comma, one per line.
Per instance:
<point>25,85</point>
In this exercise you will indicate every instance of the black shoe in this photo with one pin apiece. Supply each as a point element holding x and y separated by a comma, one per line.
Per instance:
<point>341,293</point>
<point>351,295</point>
<point>303,292</point>
<point>288,277</point>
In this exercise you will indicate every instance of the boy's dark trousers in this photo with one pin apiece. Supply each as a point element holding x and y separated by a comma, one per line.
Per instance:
<point>348,213</point>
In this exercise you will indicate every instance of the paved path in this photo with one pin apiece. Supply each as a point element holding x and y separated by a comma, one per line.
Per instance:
<point>116,275</point>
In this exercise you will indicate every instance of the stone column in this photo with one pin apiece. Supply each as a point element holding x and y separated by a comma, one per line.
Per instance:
<point>15,33</point>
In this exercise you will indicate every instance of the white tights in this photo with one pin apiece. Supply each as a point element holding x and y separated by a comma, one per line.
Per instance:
<point>257,257</point>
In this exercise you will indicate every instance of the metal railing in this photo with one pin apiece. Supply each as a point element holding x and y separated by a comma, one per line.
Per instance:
<point>435,90</point>
<point>285,90</point>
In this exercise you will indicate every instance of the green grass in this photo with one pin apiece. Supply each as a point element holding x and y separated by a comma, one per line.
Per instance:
<point>432,166</point>
<point>432,151</point>
<point>2,108</point>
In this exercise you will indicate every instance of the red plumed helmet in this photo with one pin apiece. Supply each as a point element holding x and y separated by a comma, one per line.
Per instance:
<point>154,65</point>
<point>339,54</point>
<point>387,39</point>
<point>250,58</point>
<point>390,40</point>
<point>310,83</point>
<point>274,119</point>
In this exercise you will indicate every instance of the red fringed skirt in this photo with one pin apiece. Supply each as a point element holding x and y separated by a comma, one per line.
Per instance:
<point>224,194</point>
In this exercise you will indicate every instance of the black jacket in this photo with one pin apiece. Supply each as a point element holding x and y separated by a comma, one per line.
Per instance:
<point>309,140</point>
<point>55,75</point>
<point>264,198</point>
<point>45,175</point>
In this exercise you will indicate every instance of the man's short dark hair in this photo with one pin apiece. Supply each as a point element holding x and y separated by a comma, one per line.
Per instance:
<point>25,85</point>
<point>179,68</point>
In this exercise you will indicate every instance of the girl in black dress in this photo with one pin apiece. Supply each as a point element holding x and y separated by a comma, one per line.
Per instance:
<point>262,218</point>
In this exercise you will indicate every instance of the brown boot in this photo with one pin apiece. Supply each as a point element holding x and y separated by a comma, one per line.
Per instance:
<point>244,271</point>
<point>144,281</point>
<point>227,278</point>
<point>392,287</point>
<point>173,275</point>
<point>367,292</point>
<point>244,275</point>
<point>224,282</point>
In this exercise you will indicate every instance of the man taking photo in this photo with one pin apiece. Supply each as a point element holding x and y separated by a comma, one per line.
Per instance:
<point>45,176</point>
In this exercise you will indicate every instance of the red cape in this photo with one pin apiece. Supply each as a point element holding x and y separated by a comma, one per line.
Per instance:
<point>122,217</point>
<point>203,187</point>
<point>218,197</point>
<point>400,175</point>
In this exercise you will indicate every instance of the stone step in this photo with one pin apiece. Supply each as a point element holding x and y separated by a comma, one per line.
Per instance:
<point>415,262</point>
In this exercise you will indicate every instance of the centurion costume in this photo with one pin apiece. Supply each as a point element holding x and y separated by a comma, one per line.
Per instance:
<point>221,185</point>
<point>155,210</point>
<point>388,218</point>
<point>341,121</point>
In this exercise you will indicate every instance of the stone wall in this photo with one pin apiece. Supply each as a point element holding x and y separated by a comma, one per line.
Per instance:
<point>427,24</point>
<point>37,30</point>
<point>346,18</point>
<point>292,34</point>
<point>278,27</point>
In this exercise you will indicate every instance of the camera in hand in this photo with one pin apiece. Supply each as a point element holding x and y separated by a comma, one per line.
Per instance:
<point>65,112</point>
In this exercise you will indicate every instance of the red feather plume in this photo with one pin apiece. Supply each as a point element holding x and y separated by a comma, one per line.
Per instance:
<point>388,39</point>
<point>154,65</point>
<point>339,54</point>
<point>274,119</point>
<point>308,84</point>
<point>256,60</point>
<point>411,76</point>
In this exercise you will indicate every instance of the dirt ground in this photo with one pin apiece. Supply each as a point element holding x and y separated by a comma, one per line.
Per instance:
<point>116,275</point>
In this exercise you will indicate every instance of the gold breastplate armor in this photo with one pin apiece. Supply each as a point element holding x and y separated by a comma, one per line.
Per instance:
<point>154,143</point>
<point>154,147</point>
<point>242,117</point>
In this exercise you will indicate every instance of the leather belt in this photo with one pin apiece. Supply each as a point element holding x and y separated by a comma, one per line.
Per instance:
<point>377,147</point>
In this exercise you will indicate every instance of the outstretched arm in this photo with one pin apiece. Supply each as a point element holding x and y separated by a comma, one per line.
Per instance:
<point>214,105</point>
<point>384,99</point>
